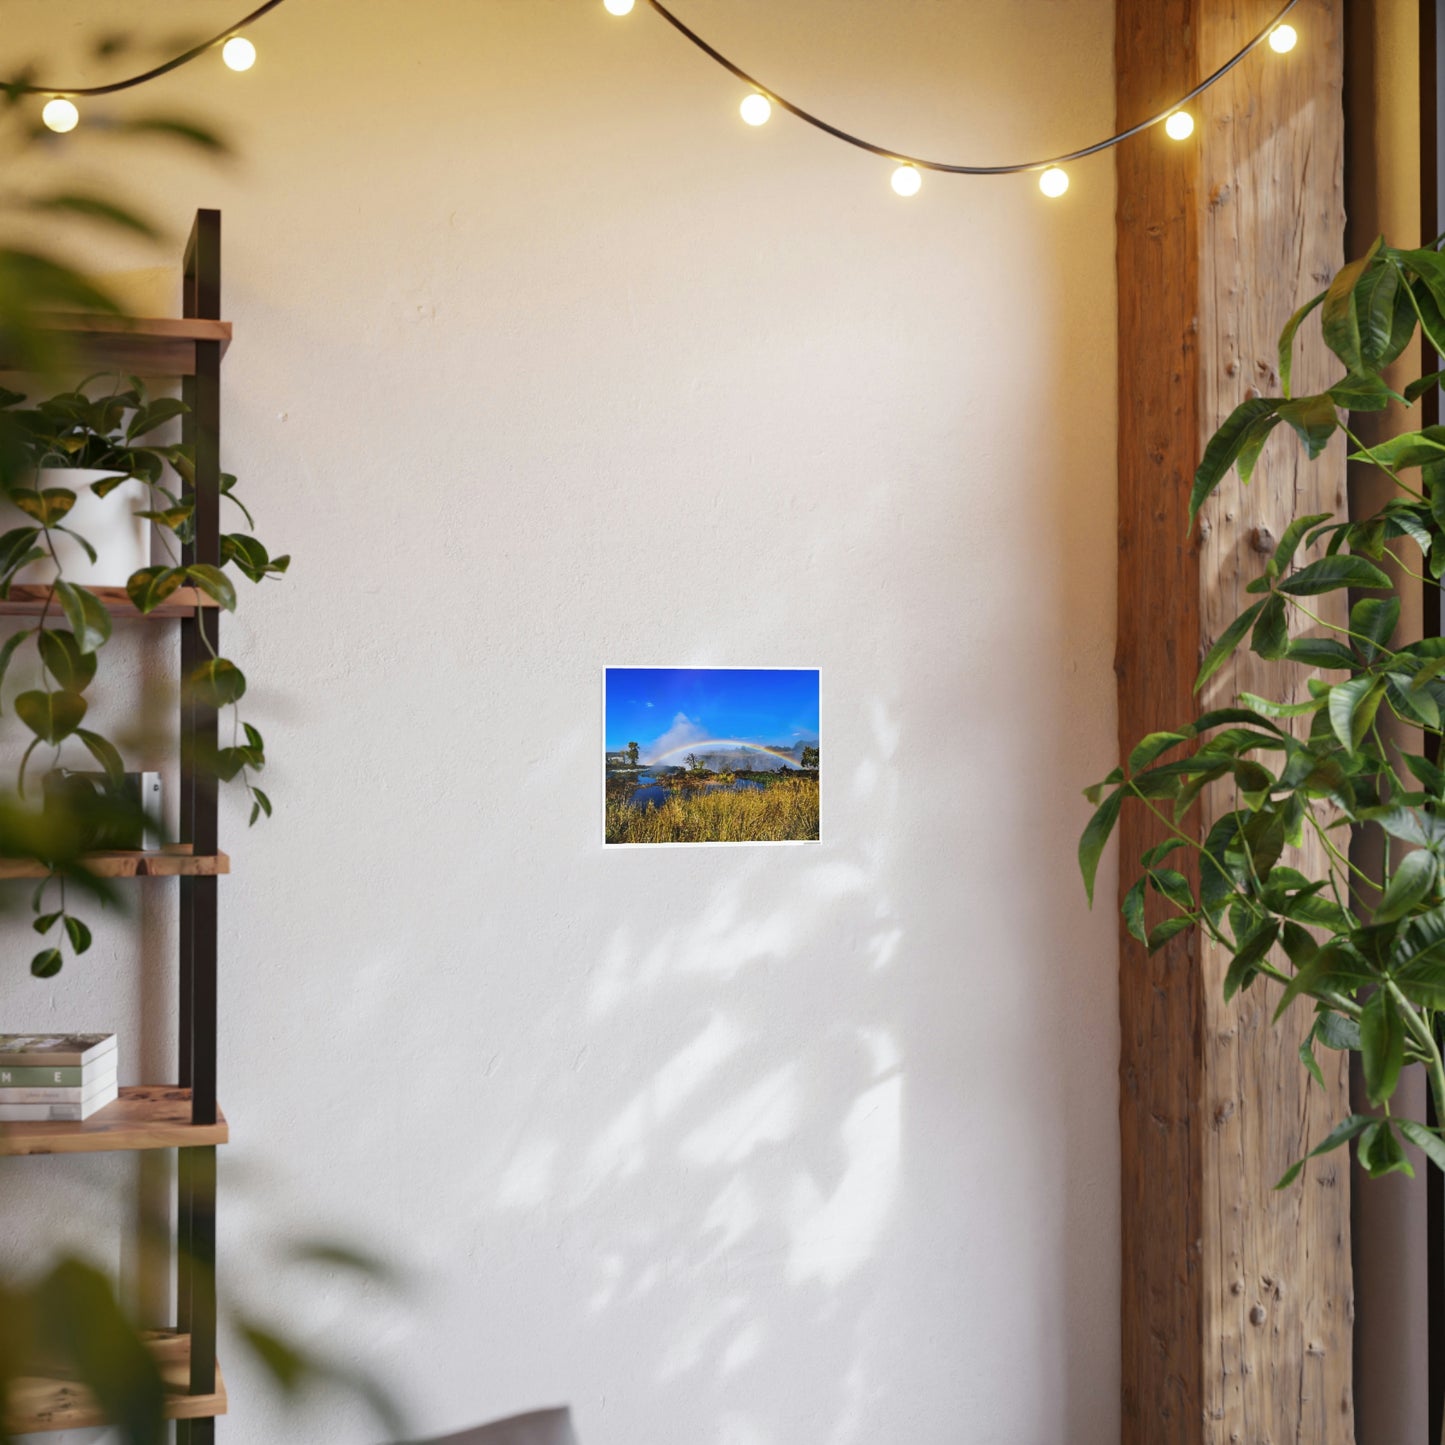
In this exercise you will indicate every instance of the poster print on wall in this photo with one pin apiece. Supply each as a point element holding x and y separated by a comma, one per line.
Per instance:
<point>711,755</point>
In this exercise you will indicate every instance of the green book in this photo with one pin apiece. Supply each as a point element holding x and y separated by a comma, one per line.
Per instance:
<point>55,1051</point>
<point>69,1077</point>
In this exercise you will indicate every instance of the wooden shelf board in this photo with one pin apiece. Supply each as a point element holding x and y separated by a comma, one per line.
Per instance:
<point>150,345</point>
<point>41,1402</point>
<point>178,861</point>
<point>146,1116</point>
<point>29,599</point>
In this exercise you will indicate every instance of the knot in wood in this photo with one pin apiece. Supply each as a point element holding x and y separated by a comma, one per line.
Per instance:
<point>1258,1315</point>
<point>1263,540</point>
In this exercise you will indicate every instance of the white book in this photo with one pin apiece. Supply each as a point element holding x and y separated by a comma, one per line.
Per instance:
<point>58,1113</point>
<point>53,1094</point>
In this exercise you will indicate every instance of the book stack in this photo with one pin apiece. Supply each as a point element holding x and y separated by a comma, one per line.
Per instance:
<point>57,1077</point>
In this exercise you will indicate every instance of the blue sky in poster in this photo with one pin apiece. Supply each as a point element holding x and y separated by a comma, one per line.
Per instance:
<point>664,709</point>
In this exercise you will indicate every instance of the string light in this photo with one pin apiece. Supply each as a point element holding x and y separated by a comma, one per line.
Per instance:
<point>1054,182</point>
<point>239,53</point>
<point>756,109</point>
<point>60,114</point>
<point>907,180</point>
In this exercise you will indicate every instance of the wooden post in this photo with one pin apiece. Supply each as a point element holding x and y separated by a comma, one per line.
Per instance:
<point>1236,1300</point>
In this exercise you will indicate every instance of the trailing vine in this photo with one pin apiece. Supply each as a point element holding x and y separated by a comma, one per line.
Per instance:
<point>112,433</point>
<point>1375,973</point>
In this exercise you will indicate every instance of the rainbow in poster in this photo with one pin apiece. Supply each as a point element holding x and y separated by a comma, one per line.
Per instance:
<point>711,755</point>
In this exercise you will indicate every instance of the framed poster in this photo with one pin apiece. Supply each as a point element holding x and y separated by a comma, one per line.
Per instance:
<point>710,755</point>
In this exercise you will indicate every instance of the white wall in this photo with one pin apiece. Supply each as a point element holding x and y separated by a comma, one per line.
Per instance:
<point>543,360</point>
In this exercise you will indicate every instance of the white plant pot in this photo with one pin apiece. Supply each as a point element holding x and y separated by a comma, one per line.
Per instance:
<point>122,540</point>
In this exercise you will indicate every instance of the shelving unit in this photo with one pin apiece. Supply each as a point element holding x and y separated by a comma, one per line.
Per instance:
<point>183,1116</point>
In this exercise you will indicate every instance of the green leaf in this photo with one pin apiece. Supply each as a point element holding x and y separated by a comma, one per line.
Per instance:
<point>149,587</point>
<point>86,207</point>
<point>1095,836</point>
<point>1244,966</point>
<point>216,682</point>
<point>1374,300</point>
<point>1342,1133</point>
<point>1381,1153</point>
<point>1353,706</point>
<point>1219,654</point>
<point>1320,652</point>
<point>1313,419</point>
<point>1307,1057</point>
<point>1133,910</point>
<point>214,583</point>
<point>1151,747</point>
<point>1361,393</point>
<point>1409,449</point>
<point>47,963</point>
<point>1431,776</point>
<point>1163,932</point>
<point>1338,321</point>
<point>1382,1046</point>
<point>1286,340</point>
<point>1271,631</point>
<point>1413,880</point>
<point>1331,969</point>
<point>1280,709</point>
<point>104,752</point>
<point>71,668</point>
<point>1293,1172</point>
<point>1374,618</point>
<point>89,621</point>
<point>47,921</point>
<point>1335,1031</point>
<point>1419,387</point>
<point>154,414</point>
<point>51,716</point>
<point>1331,573</point>
<point>1427,1141</point>
<point>8,650</point>
<point>262,802</point>
<point>1224,448</point>
<point>78,933</point>
<point>1289,542</point>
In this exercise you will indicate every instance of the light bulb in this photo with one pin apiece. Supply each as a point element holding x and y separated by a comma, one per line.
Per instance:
<point>618,7</point>
<point>1179,126</point>
<point>239,53</point>
<point>1054,182</point>
<point>756,109</point>
<point>907,181</point>
<point>60,114</point>
<point>1283,39</point>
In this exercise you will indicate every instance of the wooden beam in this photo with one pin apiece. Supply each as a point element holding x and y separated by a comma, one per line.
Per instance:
<point>1236,1300</point>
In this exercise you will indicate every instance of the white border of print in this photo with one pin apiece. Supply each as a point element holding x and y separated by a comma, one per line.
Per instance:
<point>702,667</point>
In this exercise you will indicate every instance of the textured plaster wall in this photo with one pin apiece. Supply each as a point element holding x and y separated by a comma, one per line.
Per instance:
<point>543,360</point>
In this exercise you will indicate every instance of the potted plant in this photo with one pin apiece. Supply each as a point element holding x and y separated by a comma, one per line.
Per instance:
<point>99,445</point>
<point>1374,975</point>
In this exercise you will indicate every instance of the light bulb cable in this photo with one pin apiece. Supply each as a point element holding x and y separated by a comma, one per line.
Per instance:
<point>716,55</point>
<point>953,168</point>
<point>174,63</point>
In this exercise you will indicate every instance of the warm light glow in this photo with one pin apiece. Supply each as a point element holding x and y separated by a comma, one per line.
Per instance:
<point>1054,182</point>
<point>60,114</point>
<point>1180,125</point>
<point>907,181</point>
<point>1283,38</point>
<point>756,109</point>
<point>618,7</point>
<point>239,53</point>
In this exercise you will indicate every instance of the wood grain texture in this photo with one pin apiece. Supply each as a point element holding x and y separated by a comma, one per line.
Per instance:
<point>1236,1300</point>
<point>149,346</point>
<point>29,600</point>
<point>177,861</point>
<point>146,1116</point>
<point>52,1402</point>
